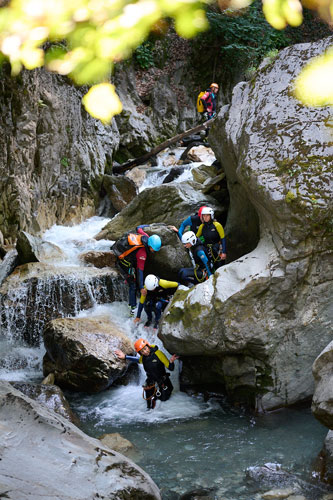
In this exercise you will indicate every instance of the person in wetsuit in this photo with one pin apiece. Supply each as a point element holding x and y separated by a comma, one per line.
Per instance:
<point>213,236</point>
<point>192,222</point>
<point>132,251</point>
<point>201,269</point>
<point>158,384</point>
<point>209,101</point>
<point>159,292</point>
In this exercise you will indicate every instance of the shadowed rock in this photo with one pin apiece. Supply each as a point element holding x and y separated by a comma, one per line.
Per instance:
<point>80,353</point>
<point>45,456</point>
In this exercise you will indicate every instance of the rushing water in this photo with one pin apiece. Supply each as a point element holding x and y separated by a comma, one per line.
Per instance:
<point>185,443</point>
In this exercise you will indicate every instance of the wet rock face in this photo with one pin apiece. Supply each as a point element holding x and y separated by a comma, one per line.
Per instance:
<point>170,204</point>
<point>55,459</point>
<point>52,153</point>
<point>36,293</point>
<point>322,401</point>
<point>268,314</point>
<point>50,396</point>
<point>80,353</point>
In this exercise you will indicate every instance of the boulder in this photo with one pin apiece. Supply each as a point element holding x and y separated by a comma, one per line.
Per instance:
<point>80,353</point>
<point>42,455</point>
<point>8,264</point>
<point>167,203</point>
<point>174,173</point>
<point>327,457</point>
<point>202,173</point>
<point>99,259</point>
<point>120,189</point>
<point>50,396</point>
<point>33,249</point>
<point>322,401</point>
<point>200,153</point>
<point>120,444</point>
<point>137,175</point>
<point>36,293</point>
<point>264,318</point>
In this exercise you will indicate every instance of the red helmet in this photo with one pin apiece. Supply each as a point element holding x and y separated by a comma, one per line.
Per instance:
<point>140,344</point>
<point>200,210</point>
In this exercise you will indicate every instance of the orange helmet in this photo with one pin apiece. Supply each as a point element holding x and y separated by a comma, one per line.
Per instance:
<point>140,344</point>
<point>214,85</point>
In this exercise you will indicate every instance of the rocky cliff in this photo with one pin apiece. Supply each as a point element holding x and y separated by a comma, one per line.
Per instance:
<point>259,324</point>
<point>53,155</point>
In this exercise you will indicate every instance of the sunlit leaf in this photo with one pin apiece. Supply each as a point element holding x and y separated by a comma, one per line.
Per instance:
<point>313,86</point>
<point>102,102</point>
<point>32,57</point>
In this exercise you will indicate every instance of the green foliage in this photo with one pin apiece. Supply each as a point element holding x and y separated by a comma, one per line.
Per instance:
<point>144,55</point>
<point>244,39</point>
<point>64,161</point>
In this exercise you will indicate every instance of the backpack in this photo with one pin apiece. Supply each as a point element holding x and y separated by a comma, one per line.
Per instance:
<point>200,105</point>
<point>127,244</point>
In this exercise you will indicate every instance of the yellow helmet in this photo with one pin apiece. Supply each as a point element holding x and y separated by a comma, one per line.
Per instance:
<point>214,85</point>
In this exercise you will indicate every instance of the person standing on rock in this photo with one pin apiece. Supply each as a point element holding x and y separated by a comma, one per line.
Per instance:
<point>159,292</point>
<point>158,384</point>
<point>201,269</point>
<point>192,222</point>
<point>131,251</point>
<point>209,101</point>
<point>213,237</point>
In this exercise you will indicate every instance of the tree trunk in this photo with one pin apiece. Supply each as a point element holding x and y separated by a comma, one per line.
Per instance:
<point>119,169</point>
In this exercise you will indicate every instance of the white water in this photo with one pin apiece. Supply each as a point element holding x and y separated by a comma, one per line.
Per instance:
<point>156,175</point>
<point>185,443</point>
<point>75,240</point>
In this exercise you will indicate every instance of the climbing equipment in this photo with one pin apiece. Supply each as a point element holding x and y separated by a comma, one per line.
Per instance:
<point>189,237</point>
<point>200,104</point>
<point>212,85</point>
<point>151,282</point>
<point>127,244</point>
<point>155,242</point>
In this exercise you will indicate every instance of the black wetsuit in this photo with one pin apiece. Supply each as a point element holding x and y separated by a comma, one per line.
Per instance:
<point>154,365</point>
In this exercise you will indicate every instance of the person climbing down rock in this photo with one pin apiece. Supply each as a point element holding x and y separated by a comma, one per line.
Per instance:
<point>159,292</point>
<point>213,238</point>
<point>157,384</point>
<point>132,251</point>
<point>201,269</point>
<point>209,101</point>
<point>192,222</point>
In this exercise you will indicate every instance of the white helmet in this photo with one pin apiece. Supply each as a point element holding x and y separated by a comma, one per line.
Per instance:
<point>151,282</point>
<point>189,237</point>
<point>208,211</point>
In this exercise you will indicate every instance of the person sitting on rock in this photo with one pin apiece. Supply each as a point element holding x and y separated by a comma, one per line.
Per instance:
<point>131,251</point>
<point>159,292</point>
<point>192,222</point>
<point>201,269</point>
<point>213,237</point>
<point>158,384</point>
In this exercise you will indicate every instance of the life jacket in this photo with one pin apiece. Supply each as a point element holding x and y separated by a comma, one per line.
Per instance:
<point>195,223</point>
<point>200,105</point>
<point>127,244</point>
<point>154,367</point>
<point>210,233</point>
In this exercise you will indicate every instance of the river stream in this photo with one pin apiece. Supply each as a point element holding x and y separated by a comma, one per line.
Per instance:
<point>186,443</point>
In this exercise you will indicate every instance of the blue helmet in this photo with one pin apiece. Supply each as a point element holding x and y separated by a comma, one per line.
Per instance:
<point>155,242</point>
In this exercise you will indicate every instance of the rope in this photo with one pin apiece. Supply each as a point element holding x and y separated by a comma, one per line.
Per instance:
<point>145,388</point>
